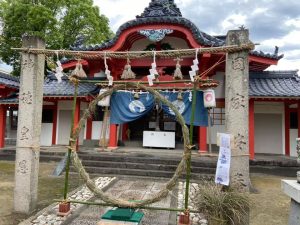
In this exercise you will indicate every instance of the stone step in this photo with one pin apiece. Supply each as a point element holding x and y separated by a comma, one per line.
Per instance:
<point>151,160</point>
<point>145,166</point>
<point>138,172</point>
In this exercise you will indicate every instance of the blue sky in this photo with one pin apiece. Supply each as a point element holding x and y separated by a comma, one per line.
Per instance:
<point>270,22</point>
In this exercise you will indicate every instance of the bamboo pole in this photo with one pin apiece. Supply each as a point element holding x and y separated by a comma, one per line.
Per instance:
<point>141,207</point>
<point>71,142</point>
<point>188,160</point>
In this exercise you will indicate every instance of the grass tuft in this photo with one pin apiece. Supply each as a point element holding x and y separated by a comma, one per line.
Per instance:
<point>222,206</point>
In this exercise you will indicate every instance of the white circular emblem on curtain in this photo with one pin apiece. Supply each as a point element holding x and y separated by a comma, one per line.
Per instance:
<point>180,106</point>
<point>136,106</point>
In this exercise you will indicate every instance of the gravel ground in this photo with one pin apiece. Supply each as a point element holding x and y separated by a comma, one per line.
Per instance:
<point>269,205</point>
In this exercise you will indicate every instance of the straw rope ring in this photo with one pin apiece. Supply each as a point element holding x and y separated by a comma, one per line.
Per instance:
<point>167,187</point>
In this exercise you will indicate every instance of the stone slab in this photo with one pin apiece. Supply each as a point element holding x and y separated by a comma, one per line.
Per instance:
<point>294,218</point>
<point>292,189</point>
<point>110,222</point>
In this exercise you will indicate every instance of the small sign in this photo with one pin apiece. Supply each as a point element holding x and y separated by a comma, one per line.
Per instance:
<point>223,165</point>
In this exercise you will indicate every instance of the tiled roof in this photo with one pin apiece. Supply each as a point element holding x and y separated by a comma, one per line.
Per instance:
<point>158,12</point>
<point>65,88</point>
<point>9,80</point>
<point>266,55</point>
<point>10,100</point>
<point>274,84</point>
<point>166,12</point>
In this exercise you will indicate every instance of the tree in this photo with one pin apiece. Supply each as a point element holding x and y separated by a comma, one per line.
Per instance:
<point>58,22</point>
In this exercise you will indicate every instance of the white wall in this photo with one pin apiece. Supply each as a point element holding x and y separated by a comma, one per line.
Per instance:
<point>97,128</point>
<point>46,134</point>
<point>220,90</point>
<point>214,130</point>
<point>269,127</point>
<point>293,145</point>
<point>64,122</point>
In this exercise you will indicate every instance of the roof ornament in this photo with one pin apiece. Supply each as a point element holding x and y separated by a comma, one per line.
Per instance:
<point>127,72</point>
<point>159,8</point>
<point>242,27</point>
<point>276,50</point>
<point>155,35</point>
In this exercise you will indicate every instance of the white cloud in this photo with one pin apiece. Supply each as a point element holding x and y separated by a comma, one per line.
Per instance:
<point>291,37</point>
<point>271,22</point>
<point>285,64</point>
<point>121,11</point>
<point>233,21</point>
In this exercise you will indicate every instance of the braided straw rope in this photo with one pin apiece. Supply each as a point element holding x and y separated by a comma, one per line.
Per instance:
<point>167,187</point>
<point>138,54</point>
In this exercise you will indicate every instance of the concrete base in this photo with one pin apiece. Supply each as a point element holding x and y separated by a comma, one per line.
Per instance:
<point>112,148</point>
<point>91,143</point>
<point>294,218</point>
<point>292,189</point>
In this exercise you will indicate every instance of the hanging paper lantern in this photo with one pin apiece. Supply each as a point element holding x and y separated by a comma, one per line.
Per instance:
<point>209,98</point>
<point>104,101</point>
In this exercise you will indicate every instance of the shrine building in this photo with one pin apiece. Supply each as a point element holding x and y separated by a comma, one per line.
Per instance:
<point>274,105</point>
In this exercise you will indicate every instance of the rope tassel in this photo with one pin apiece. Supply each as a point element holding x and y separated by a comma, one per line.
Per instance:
<point>78,71</point>
<point>178,73</point>
<point>127,72</point>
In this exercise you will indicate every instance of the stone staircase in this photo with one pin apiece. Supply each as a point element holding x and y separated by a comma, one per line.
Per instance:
<point>133,164</point>
<point>149,164</point>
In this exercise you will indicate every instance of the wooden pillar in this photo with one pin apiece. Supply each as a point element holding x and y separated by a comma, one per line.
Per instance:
<point>251,129</point>
<point>89,123</point>
<point>54,127</point>
<point>298,116</point>
<point>236,108</point>
<point>202,139</point>
<point>113,136</point>
<point>29,127</point>
<point>124,132</point>
<point>2,125</point>
<point>287,128</point>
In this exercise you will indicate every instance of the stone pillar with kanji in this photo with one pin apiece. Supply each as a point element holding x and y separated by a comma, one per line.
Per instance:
<point>236,108</point>
<point>29,127</point>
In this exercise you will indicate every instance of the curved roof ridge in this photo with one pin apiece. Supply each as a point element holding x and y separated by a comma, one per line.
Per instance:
<point>160,8</point>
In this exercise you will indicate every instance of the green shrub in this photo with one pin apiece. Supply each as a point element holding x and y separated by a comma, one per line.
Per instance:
<point>222,206</point>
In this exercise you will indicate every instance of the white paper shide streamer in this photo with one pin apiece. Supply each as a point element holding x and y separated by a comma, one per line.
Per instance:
<point>152,71</point>
<point>194,67</point>
<point>58,70</point>
<point>223,165</point>
<point>107,72</point>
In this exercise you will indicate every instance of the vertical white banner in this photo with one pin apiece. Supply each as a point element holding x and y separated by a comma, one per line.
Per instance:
<point>223,165</point>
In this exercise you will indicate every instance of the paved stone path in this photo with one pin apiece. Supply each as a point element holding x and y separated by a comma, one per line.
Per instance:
<point>126,188</point>
<point>131,190</point>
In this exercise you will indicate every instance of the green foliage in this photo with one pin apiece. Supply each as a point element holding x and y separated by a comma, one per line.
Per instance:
<point>222,206</point>
<point>58,22</point>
